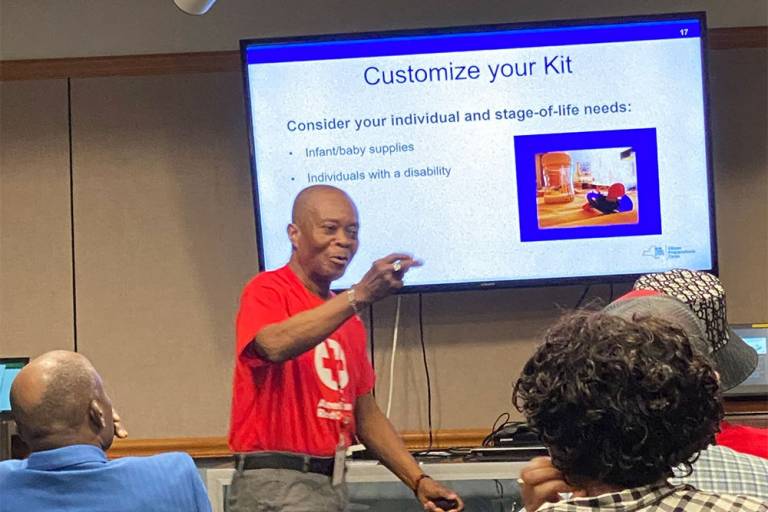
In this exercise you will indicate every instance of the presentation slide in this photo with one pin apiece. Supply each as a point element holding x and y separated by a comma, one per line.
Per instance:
<point>492,155</point>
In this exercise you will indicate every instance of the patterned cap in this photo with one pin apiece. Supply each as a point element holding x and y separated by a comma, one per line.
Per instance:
<point>655,304</point>
<point>703,293</point>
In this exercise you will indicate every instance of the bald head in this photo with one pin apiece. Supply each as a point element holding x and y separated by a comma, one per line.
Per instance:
<point>58,399</point>
<point>312,198</point>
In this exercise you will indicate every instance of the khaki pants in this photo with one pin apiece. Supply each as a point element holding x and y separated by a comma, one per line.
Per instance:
<point>284,490</point>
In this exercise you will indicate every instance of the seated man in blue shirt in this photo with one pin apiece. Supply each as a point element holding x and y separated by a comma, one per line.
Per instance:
<point>65,416</point>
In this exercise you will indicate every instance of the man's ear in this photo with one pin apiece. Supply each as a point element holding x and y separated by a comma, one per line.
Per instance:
<point>96,415</point>
<point>293,235</point>
<point>21,431</point>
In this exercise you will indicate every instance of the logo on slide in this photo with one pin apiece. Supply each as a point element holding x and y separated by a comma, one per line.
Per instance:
<point>331,364</point>
<point>654,252</point>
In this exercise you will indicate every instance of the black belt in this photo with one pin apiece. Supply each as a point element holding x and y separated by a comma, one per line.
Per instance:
<point>282,460</point>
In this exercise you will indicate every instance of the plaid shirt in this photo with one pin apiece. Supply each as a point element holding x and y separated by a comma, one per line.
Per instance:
<point>722,470</point>
<point>661,498</point>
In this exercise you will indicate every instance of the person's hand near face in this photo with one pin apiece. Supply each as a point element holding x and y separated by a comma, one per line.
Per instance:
<point>541,482</point>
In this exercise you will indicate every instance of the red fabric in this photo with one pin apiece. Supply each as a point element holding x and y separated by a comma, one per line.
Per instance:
<point>638,293</point>
<point>744,439</point>
<point>294,405</point>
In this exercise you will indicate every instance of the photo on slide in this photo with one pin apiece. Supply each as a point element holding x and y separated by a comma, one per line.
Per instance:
<point>587,184</point>
<point>592,187</point>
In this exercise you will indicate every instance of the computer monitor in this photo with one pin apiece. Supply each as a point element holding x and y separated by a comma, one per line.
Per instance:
<point>756,335</point>
<point>9,368</point>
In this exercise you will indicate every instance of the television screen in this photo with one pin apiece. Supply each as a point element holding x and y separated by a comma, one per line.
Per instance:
<point>9,368</point>
<point>756,336</point>
<point>500,155</point>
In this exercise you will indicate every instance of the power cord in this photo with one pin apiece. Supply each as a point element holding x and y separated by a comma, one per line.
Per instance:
<point>597,302</point>
<point>426,372</point>
<point>430,444</point>
<point>373,344</point>
<point>500,495</point>
<point>505,422</point>
<point>583,296</point>
<point>392,360</point>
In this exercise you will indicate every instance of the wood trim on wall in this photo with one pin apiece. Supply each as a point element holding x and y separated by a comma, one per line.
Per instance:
<point>737,37</point>
<point>213,62</point>
<point>197,447</point>
<point>216,447</point>
<point>737,406</point>
<point>750,412</point>
<point>444,438</point>
<point>120,65</point>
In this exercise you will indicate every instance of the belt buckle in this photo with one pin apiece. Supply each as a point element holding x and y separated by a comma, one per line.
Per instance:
<point>305,467</point>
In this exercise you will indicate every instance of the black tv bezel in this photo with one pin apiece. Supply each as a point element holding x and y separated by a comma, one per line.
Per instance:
<point>607,278</point>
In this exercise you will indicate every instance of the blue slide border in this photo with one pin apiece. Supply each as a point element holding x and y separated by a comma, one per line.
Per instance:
<point>642,140</point>
<point>369,45</point>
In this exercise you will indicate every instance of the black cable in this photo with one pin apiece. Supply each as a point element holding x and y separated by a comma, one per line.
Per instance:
<point>373,344</point>
<point>488,441</point>
<point>72,213</point>
<point>583,295</point>
<point>426,371</point>
<point>500,492</point>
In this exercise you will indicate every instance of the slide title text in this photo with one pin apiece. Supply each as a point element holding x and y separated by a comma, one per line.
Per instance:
<point>555,65</point>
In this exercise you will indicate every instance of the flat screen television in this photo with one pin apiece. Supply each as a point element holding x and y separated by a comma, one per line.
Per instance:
<point>502,155</point>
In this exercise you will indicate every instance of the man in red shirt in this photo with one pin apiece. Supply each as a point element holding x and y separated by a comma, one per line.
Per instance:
<point>303,381</point>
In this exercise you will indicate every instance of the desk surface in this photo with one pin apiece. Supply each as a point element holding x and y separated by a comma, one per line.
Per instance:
<point>372,471</point>
<point>364,471</point>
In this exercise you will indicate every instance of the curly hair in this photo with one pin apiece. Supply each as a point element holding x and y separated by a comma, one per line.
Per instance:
<point>619,402</point>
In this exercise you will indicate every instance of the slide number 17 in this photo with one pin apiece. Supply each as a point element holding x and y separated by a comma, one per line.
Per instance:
<point>683,31</point>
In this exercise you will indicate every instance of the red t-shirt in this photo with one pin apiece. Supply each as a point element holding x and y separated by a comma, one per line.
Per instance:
<point>295,405</point>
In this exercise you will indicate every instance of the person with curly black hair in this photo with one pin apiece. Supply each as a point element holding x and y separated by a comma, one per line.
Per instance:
<point>619,402</point>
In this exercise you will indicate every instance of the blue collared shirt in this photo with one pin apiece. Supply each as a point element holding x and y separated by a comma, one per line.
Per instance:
<point>81,478</point>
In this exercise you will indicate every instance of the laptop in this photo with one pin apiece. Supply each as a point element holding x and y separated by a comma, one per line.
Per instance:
<point>9,368</point>
<point>755,335</point>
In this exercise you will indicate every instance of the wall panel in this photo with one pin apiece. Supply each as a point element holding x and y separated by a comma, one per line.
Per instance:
<point>36,307</point>
<point>739,106</point>
<point>165,240</point>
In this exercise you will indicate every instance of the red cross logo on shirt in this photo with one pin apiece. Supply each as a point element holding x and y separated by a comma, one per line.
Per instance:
<point>334,365</point>
<point>331,364</point>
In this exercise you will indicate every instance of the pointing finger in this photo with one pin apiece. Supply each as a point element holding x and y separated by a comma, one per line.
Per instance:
<point>391,258</point>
